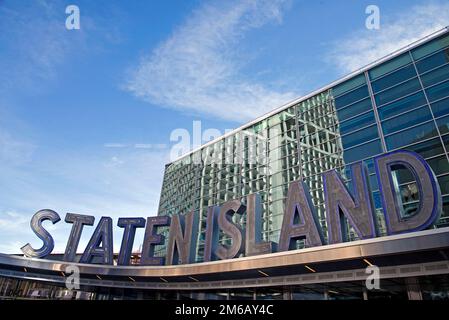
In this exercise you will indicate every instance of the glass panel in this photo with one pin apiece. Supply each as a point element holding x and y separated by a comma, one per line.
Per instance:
<point>407,120</point>
<point>360,136</point>
<point>394,78</point>
<point>403,175</point>
<point>398,91</point>
<point>410,136</point>
<point>428,148</point>
<point>354,109</point>
<point>370,164</point>
<point>439,165</point>
<point>444,218</point>
<point>391,65</point>
<point>433,61</point>
<point>440,108</point>
<point>351,97</point>
<point>349,85</point>
<point>438,91</point>
<point>364,151</point>
<point>407,103</point>
<point>443,124</point>
<point>444,184</point>
<point>377,200</point>
<point>446,141</point>
<point>434,45</point>
<point>373,182</point>
<point>435,76</point>
<point>357,123</point>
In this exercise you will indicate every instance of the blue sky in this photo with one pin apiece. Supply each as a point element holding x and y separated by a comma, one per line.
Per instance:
<point>86,115</point>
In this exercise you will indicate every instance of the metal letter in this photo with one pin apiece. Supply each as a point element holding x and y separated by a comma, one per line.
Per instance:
<point>102,235</point>
<point>340,204</point>
<point>254,243</point>
<point>308,227</point>
<point>428,189</point>
<point>130,225</point>
<point>151,239</point>
<point>78,220</point>
<point>182,239</point>
<point>237,235</point>
<point>44,235</point>
<point>212,233</point>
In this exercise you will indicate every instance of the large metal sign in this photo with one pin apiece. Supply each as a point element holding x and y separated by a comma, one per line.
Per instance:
<point>345,207</point>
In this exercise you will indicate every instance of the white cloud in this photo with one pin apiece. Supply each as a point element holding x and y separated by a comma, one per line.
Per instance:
<point>35,44</point>
<point>198,68</point>
<point>365,46</point>
<point>13,150</point>
<point>106,182</point>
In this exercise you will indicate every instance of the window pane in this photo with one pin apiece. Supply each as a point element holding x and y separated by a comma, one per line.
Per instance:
<point>439,165</point>
<point>357,123</point>
<point>443,124</point>
<point>391,65</point>
<point>406,120</point>
<point>431,47</point>
<point>351,97</point>
<point>349,85</point>
<point>394,78</point>
<point>435,76</point>
<point>354,109</point>
<point>433,61</point>
<point>438,91</point>
<point>370,165</point>
<point>428,148</point>
<point>360,136</point>
<point>444,184</point>
<point>410,136</point>
<point>397,92</point>
<point>364,151</point>
<point>377,200</point>
<point>446,141</point>
<point>403,175</point>
<point>407,103</point>
<point>441,107</point>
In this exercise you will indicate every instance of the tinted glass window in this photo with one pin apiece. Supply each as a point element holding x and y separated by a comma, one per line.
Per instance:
<point>443,124</point>
<point>394,78</point>
<point>364,151</point>
<point>446,141</point>
<point>428,148</point>
<point>389,66</point>
<point>406,120</point>
<point>444,184</point>
<point>354,109</point>
<point>357,123</point>
<point>435,76</point>
<point>349,85</point>
<point>410,136</point>
<point>351,97</point>
<point>431,47</point>
<point>433,61</point>
<point>441,107</point>
<point>439,165</point>
<point>377,200</point>
<point>438,91</point>
<point>407,103</point>
<point>397,92</point>
<point>360,136</point>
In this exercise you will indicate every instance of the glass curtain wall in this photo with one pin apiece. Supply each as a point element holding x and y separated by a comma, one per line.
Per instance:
<point>402,103</point>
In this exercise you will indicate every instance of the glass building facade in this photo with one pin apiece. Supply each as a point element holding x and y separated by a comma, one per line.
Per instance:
<point>400,103</point>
